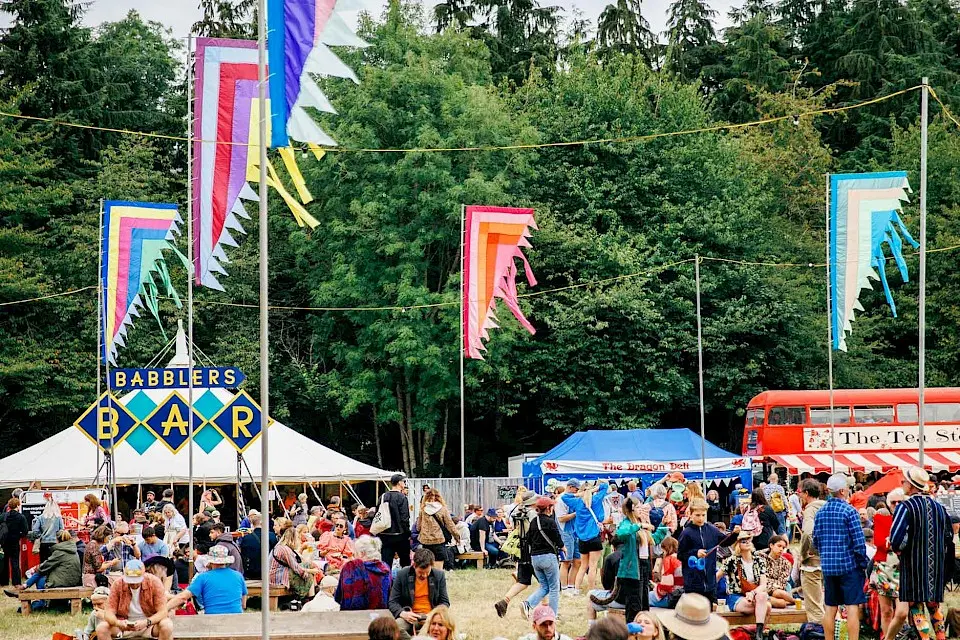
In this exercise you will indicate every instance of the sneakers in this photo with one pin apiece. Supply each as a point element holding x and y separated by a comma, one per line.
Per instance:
<point>524,610</point>
<point>501,608</point>
<point>13,592</point>
<point>570,591</point>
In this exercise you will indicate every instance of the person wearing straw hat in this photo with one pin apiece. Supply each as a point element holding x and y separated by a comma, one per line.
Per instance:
<point>218,590</point>
<point>747,581</point>
<point>136,608</point>
<point>693,619</point>
<point>838,536</point>
<point>923,538</point>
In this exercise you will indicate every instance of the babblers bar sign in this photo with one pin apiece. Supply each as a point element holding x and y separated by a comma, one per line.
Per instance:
<point>106,422</point>
<point>204,377</point>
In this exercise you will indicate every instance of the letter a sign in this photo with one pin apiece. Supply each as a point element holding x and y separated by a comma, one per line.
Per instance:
<point>106,422</point>
<point>239,421</point>
<point>170,422</point>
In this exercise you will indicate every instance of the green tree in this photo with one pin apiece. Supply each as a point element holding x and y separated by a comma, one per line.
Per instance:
<point>227,19</point>
<point>691,38</point>
<point>623,29</point>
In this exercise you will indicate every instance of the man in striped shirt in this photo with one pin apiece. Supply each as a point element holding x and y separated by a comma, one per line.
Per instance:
<point>838,537</point>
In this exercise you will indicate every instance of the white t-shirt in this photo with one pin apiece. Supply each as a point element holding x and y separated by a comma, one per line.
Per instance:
<point>748,571</point>
<point>136,611</point>
<point>322,602</point>
<point>173,526</point>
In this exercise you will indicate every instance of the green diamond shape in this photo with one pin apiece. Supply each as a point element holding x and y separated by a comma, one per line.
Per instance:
<point>141,405</point>
<point>141,439</point>
<point>207,438</point>
<point>207,405</point>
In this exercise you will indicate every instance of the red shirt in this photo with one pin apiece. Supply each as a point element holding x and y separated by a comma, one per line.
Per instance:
<point>671,566</point>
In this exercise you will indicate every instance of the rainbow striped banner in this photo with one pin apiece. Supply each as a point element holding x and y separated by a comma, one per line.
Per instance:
<point>864,216</point>
<point>135,234</point>
<point>493,237</point>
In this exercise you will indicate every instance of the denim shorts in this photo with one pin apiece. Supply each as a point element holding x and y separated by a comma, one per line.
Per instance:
<point>571,543</point>
<point>602,594</point>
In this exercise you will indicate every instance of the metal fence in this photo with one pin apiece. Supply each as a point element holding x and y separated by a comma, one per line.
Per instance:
<point>459,492</point>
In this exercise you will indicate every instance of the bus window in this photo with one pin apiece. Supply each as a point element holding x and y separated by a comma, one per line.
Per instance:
<point>873,415</point>
<point>821,415</point>
<point>907,413</point>
<point>942,412</point>
<point>933,412</point>
<point>787,415</point>
<point>754,417</point>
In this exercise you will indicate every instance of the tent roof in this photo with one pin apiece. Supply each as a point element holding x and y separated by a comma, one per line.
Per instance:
<point>69,458</point>
<point>620,445</point>
<point>635,452</point>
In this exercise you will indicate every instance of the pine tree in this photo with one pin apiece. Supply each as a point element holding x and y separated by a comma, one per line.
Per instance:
<point>622,28</point>
<point>690,37</point>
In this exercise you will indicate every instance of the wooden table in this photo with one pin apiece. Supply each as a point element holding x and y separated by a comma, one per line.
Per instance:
<point>255,590</point>
<point>74,595</point>
<point>290,625</point>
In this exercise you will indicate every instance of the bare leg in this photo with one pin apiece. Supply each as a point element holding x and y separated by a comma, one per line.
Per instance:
<point>886,614</point>
<point>582,571</point>
<point>594,559</point>
<point>516,589</point>
<point>762,603</point>
<point>853,622</point>
<point>165,629</point>
<point>830,621</point>
<point>574,570</point>
<point>106,632</point>
<point>781,594</point>
<point>565,574</point>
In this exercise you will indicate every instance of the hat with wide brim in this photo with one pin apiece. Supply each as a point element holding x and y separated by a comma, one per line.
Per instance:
<point>528,498</point>
<point>918,477</point>
<point>693,619</point>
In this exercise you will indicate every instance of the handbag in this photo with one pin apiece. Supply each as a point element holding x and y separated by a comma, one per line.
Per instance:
<point>382,521</point>
<point>36,546</point>
<point>745,585</point>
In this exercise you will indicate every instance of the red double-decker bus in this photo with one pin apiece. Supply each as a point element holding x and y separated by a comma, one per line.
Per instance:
<point>873,429</point>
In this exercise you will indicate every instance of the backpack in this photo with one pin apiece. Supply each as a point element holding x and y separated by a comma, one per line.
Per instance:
<point>656,515</point>
<point>776,502</point>
<point>811,631</point>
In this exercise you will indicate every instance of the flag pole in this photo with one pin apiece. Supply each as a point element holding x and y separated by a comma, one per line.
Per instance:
<point>922,347</point>
<point>703,437</point>
<point>264,296</point>
<point>461,348</point>
<point>190,276</point>
<point>100,316</point>
<point>833,444</point>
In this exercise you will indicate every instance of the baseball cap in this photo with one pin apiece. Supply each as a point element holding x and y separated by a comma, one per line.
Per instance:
<point>491,512</point>
<point>397,478</point>
<point>133,572</point>
<point>544,502</point>
<point>573,482</point>
<point>836,482</point>
<point>100,593</point>
<point>543,613</point>
<point>329,582</point>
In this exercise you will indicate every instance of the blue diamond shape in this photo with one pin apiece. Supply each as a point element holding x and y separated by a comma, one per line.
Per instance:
<point>207,438</point>
<point>169,421</point>
<point>207,405</point>
<point>141,439</point>
<point>89,422</point>
<point>141,405</point>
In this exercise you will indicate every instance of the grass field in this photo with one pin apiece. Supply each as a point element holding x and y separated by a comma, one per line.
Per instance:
<point>472,594</point>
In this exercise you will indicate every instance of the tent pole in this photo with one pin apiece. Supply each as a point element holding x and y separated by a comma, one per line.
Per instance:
<point>100,316</point>
<point>703,437</point>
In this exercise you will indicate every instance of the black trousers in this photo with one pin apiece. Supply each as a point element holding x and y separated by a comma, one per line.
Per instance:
<point>630,597</point>
<point>10,569</point>
<point>46,549</point>
<point>395,545</point>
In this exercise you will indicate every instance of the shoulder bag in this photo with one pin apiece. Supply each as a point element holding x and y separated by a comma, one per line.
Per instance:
<point>382,521</point>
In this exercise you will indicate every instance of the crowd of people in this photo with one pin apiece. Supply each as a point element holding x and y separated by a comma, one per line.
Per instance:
<point>664,557</point>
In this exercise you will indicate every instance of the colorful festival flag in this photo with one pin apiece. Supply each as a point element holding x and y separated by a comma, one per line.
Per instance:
<point>864,215</point>
<point>298,34</point>
<point>493,238</point>
<point>135,234</point>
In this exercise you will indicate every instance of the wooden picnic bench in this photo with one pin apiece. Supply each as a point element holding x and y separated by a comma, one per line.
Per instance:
<point>472,556</point>
<point>776,616</point>
<point>74,595</point>
<point>342,625</point>
<point>255,590</point>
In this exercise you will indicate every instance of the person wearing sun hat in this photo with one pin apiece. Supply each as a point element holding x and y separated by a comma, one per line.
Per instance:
<point>838,536</point>
<point>693,619</point>
<point>136,608</point>
<point>218,590</point>
<point>923,538</point>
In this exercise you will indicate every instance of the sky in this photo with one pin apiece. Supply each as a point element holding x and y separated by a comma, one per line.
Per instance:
<point>179,15</point>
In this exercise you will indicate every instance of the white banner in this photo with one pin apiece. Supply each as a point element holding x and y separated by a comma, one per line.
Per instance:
<point>846,438</point>
<point>643,466</point>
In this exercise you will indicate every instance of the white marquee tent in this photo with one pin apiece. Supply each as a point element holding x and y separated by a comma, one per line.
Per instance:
<point>69,458</point>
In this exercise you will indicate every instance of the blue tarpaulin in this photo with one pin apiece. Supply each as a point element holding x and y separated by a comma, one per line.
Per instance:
<point>645,454</point>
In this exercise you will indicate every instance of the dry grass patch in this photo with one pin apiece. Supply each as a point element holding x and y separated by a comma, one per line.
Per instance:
<point>472,594</point>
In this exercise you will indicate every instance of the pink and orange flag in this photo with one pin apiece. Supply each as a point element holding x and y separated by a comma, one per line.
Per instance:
<point>493,239</point>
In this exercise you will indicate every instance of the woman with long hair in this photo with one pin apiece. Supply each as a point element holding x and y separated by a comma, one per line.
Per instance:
<point>47,525</point>
<point>440,625</point>
<point>633,574</point>
<point>746,581</point>
<point>209,501</point>
<point>286,567</point>
<point>96,514</point>
<point>646,626</point>
<point>436,528</point>
<point>768,519</point>
<point>94,565</point>
<point>543,536</point>
<point>778,573</point>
